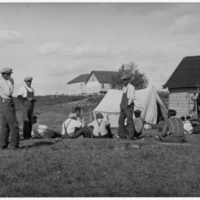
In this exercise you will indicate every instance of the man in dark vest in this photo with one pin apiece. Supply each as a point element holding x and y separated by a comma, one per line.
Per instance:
<point>26,95</point>
<point>8,120</point>
<point>126,109</point>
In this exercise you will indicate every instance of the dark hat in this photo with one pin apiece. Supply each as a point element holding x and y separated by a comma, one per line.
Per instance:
<point>126,77</point>
<point>29,78</point>
<point>99,116</point>
<point>137,111</point>
<point>6,70</point>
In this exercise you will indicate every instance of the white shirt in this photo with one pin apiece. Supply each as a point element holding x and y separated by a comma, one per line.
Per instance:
<point>147,126</point>
<point>23,91</point>
<point>70,128</point>
<point>6,88</point>
<point>138,124</point>
<point>99,129</point>
<point>38,129</point>
<point>130,89</point>
<point>188,128</point>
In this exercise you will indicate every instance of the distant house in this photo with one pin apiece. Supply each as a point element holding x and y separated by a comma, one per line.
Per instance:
<point>78,85</point>
<point>182,85</point>
<point>99,81</point>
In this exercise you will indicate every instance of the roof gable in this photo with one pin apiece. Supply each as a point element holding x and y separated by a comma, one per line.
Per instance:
<point>187,74</point>
<point>81,78</point>
<point>103,76</point>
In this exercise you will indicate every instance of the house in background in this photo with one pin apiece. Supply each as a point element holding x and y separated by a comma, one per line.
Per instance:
<point>78,85</point>
<point>99,81</point>
<point>182,85</point>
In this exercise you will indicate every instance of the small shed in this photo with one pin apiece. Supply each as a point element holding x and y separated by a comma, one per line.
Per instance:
<point>183,84</point>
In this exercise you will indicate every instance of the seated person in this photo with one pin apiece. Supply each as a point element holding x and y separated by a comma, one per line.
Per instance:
<point>196,126</point>
<point>79,115</point>
<point>188,128</point>
<point>160,124</point>
<point>42,131</point>
<point>173,130</point>
<point>194,122</point>
<point>101,127</point>
<point>71,128</point>
<point>138,122</point>
<point>183,119</point>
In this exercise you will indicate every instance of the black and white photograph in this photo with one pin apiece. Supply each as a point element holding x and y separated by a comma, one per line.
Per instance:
<point>99,99</point>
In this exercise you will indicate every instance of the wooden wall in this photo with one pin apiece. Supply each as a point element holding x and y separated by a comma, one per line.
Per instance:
<point>181,102</point>
<point>77,88</point>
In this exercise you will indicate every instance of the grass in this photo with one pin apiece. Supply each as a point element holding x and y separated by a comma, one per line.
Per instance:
<point>98,168</point>
<point>101,168</point>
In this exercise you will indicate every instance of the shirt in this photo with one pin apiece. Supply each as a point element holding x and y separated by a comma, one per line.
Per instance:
<point>188,127</point>
<point>70,125</point>
<point>23,91</point>
<point>130,89</point>
<point>173,125</point>
<point>80,119</point>
<point>6,88</point>
<point>138,124</point>
<point>38,130</point>
<point>99,130</point>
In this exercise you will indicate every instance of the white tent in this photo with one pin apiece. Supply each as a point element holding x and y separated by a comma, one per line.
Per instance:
<point>147,100</point>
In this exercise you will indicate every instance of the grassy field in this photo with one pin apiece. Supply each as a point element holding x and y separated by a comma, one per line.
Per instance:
<point>98,168</point>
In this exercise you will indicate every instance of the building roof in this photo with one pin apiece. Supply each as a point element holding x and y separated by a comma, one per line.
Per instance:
<point>187,74</point>
<point>81,78</point>
<point>103,76</point>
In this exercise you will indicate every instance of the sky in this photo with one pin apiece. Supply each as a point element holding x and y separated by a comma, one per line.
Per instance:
<point>56,42</point>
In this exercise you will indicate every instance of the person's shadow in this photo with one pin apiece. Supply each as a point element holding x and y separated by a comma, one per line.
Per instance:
<point>38,143</point>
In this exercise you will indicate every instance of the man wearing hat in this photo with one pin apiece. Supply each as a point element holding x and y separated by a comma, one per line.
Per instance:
<point>100,127</point>
<point>126,109</point>
<point>8,119</point>
<point>26,95</point>
<point>71,128</point>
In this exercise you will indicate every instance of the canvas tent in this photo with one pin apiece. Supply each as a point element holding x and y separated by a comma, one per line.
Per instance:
<point>147,100</point>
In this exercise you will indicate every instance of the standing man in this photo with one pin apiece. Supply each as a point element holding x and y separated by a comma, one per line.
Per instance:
<point>26,95</point>
<point>8,119</point>
<point>126,109</point>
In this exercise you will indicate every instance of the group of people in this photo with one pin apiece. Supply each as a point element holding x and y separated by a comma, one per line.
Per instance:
<point>8,119</point>
<point>74,126</point>
<point>174,129</point>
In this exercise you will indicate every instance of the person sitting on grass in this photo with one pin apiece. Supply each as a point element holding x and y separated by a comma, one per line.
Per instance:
<point>173,130</point>
<point>100,128</point>
<point>79,115</point>
<point>183,119</point>
<point>139,123</point>
<point>195,125</point>
<point>160,124</point>
<point>42,131</point>
<point>71,128</point>
<point>188,128</point>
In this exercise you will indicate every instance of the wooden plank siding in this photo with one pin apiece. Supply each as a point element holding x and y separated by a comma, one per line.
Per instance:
<point>77,88</point>
<point>181,102</point>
